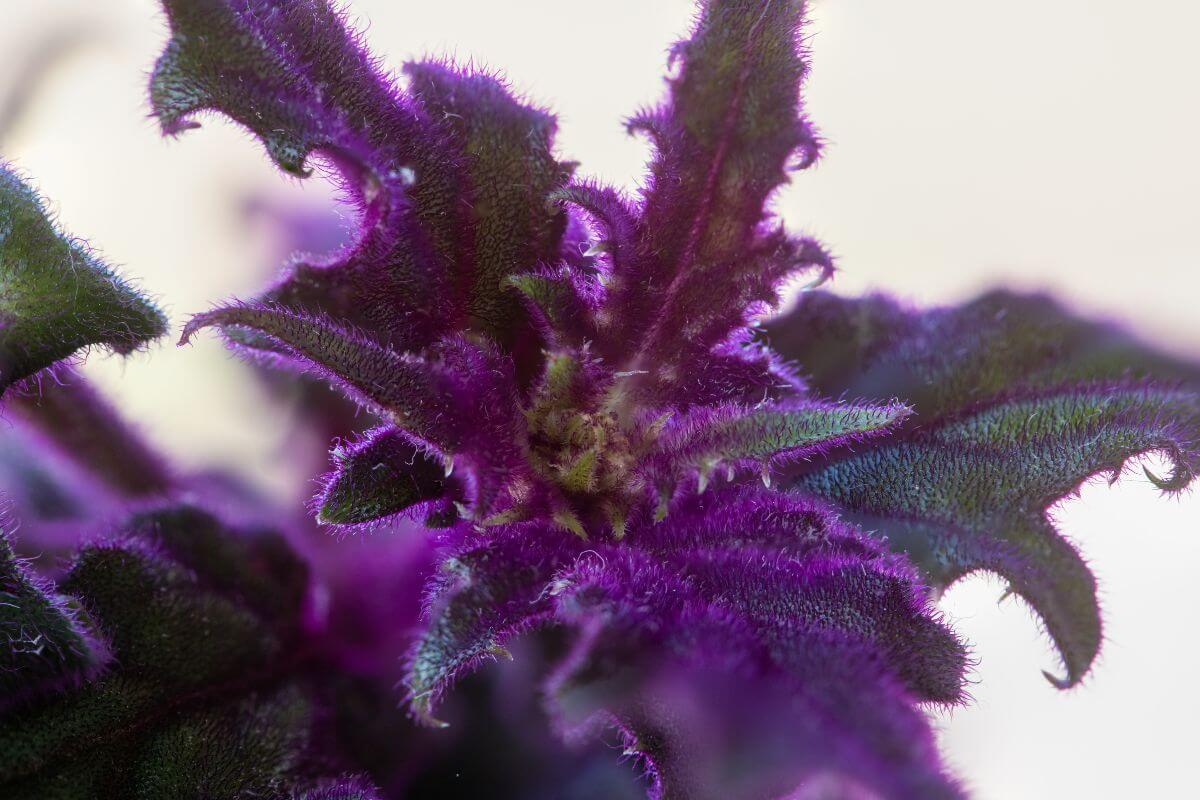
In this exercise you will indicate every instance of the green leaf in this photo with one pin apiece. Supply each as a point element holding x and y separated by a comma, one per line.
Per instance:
<point>209,694</point>
<point>46,640</point>
<point>380,477</point>
<point>56,296</point>
<point>773,433</point>
<point>973,492</point>
<point>943,359</point>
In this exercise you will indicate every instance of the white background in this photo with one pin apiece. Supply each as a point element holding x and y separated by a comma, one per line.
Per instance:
<point>1032,144</point>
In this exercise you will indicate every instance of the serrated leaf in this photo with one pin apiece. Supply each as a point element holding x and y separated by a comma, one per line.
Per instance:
<point>56,296</point>
<point>252,745</point>
<point>723,140</point>
<point>705,734</point>
<point>738,371</point>
<point>297,76</point>
<point>617,224</point>
<point>972,492</point>
<point>750,644</point>
<point>817,643</point>
<point>558,305</point>
<point>451,178</point>
<point>255,565</point>
<point>481,598</point>
<point>508,174</point>
<point>458,398</point>
<point>788,569</point>
<point>400,386</point>
<point>290,72</point>
<point>350,788</point>
<point>941,360</point>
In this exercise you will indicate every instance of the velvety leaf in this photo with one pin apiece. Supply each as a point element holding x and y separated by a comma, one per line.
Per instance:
<point>140,597</point>
<point>558,304</point>
<point>289,71</point>
<point>1016,420</point>
<point>761,597</point>
<point>457,400</point>
<point>481,598</point>
<point>57,297</point>
<point>973,492</point>
<point>406,388</point>
<point>255,565</point>
<point>46,640</point>
<point>296,75</point>
<point>736,516</point>
<point>699,732</point>
<point>749,283</point>
<point>378,478</point>
<point>772,433</point>
<point>207,695</point>
<point>618,227</point>
<point>752,643</point>
<point>804,574</point>
<point>351,788</point>
<point>943,359</point>
<point>723,140</point>
<point>452,182</point>
<point>818,646</point>
<point>738,371</point>
<point>238,749</point>
<point>509,172</point>
<point>876,605</point>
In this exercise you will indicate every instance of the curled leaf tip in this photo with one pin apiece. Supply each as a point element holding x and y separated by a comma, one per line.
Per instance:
<point>1057,682</point>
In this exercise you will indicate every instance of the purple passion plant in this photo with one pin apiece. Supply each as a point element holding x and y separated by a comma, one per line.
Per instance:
<point>578,403</point>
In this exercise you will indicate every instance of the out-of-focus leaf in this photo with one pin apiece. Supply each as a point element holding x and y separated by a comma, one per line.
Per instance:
<point>207,695</point>
<point>56,296</point>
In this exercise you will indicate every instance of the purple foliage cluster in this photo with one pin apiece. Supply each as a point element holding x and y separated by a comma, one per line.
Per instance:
<point>727,567</point>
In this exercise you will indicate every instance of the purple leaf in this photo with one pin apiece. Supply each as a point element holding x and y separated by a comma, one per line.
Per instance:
<point>508,172</point>
<point>943,359</point>
<point>558,361</point>
<point>723,139</point>
<point>815,634</point>
<point>481,598</point>
<point>349,788</point>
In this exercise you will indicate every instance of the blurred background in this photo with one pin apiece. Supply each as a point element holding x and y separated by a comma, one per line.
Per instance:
<point>1028,144</point>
